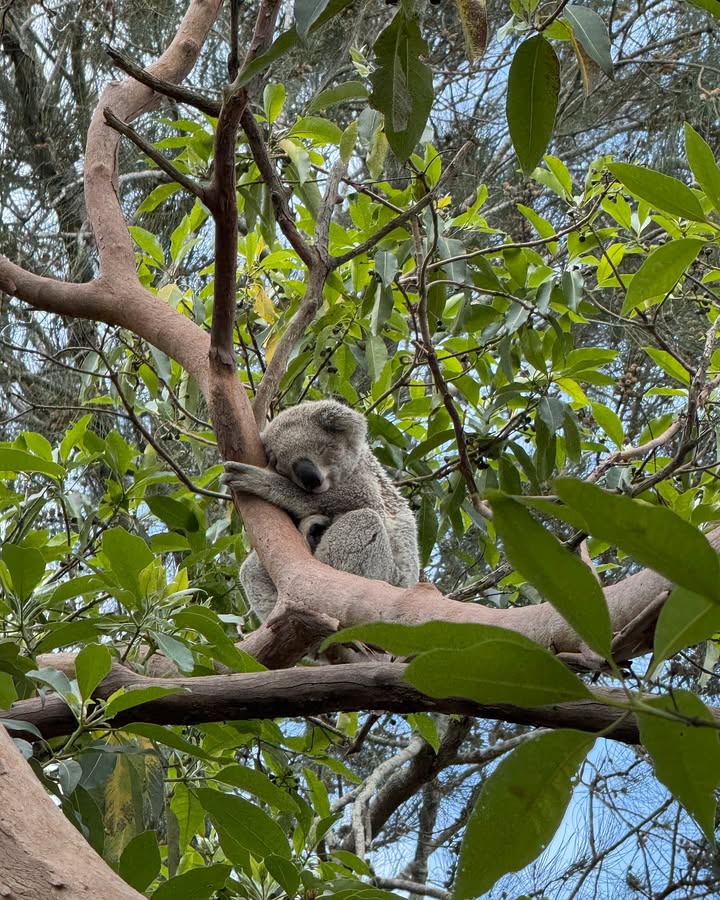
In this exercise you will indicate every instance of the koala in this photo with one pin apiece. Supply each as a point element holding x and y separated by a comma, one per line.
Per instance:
<point>322,472</point>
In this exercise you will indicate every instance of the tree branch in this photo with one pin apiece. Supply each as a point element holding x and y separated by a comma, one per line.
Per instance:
<point>307,691</point>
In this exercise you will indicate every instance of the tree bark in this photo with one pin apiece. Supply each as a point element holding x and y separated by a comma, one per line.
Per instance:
<point>42,856</point>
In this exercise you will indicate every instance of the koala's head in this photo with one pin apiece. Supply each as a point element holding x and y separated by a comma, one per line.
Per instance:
<point>316,444</point>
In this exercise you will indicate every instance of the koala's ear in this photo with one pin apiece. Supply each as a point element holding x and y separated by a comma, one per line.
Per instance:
<point>336,418</point>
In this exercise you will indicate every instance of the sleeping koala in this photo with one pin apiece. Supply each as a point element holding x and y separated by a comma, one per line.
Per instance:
<point>323,473</point>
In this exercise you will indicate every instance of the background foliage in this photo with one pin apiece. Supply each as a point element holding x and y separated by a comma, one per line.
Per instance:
<point>562,273</point>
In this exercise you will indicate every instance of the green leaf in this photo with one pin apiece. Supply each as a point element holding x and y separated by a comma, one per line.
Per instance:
<point>532,98</point>
<point>427,530</point>
<point>348,90</point>
<point>156,197</point>
<point>164,734</point>
<point>128,555</point>
<point>591,32</point>
<point>425,726</point>
<point>197,884</point>
<point>558,574</point>
<point>669,365</point>
<point>662,191</point>
<point>257,783</point>
<point>519,809</point>
<point>124,699</point>
<point>148,243</point>
<point>507,669</point>
<point>92,664</point>
<point>316,129</point>
<point>140,861</point>
<point>307,12</point>
<point>62,634</point>
<point>661,271</point>
<point>8,692</point>
<point>609,422</point>
<point>19,461</point>
<point>174,513</point>
<point>686,756</point>
<point>402,84</point>
<point>703,165</point>
<point>26,566</point>
<point>375,356</point>
<point>685,619</point>
<point>245,825</point>
<point>56,679</point>
<point>206,623</point>
<point>175,650</point>
<point>653,535</point>
<point>273,101</point>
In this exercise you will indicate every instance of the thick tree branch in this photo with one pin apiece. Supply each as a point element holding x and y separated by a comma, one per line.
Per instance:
<point>43,855</point>
<point>307,691</point>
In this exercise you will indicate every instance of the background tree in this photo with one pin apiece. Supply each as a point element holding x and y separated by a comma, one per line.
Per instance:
<point>499,329</point>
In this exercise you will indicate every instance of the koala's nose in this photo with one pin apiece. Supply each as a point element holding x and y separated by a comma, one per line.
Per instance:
<point>307,474</point>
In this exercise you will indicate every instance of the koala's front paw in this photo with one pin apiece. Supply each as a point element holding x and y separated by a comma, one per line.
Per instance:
<point>239,476</point>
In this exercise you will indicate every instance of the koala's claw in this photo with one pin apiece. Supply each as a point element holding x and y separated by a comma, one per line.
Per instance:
<point>236,474</point>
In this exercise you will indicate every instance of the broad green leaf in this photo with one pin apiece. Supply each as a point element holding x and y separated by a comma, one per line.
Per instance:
<point>519,809</point>
<point>174,513</point>
<point>425,726</point>
<point>284,872</point>
<point>26,566</point>
<point>307,12</point>
<point>257,783</point>
<point>703,165</point>
<point>348,90</point>
<point>128,555</point>
<point>348,141</point>
<point>12,460</point>
<point>175,650</point>
<point>197,884</point>
<point>164,734</point>
<point>686,756</point>
<point>552,412</point>
<point>661,271</point>
<point>427,523</point>
<point>685,619</point>
<point>156,197</point>
<point>124,699</point>
<point>148,243</point>
<point>590,31</point>
<point>653,535</point>
<point>56,679</point>
<point>375,356</point>
<point>92,664</point>
<point>610,423</point>
<point>669,364</point>
<point>316,129</point>
<point>662,191</point>
<point>205,622</point>
<point>140,861</point>
<point>558,574</point>
<point>273,101</point>
<point>245,824</point>
<point>503,670</point>
<point>8,692</point>
<point>532,97</point>
<point>402,84</point>
<point>62,634</point>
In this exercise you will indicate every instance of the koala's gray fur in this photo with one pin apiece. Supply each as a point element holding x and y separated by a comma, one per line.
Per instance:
<point>323,473</point>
